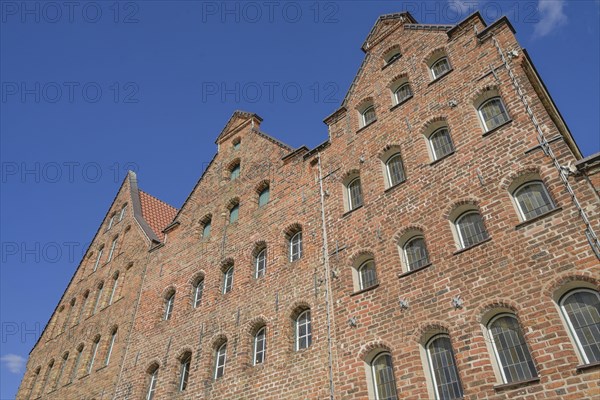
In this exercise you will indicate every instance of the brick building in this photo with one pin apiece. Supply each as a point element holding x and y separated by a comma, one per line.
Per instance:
<point>429,248</point>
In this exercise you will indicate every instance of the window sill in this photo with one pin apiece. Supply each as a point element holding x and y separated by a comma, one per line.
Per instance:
<point>514,385</point>
<point>472,246</point>
<point>497,128</point>
<point>539,217</point>
<point>364,290</point>
<point>84,376</point>
<point>439,78</point>
<point>366,126</point>
<point>584,367</point>
<point>344,215</point>
<point>391,62</point>
<point>412,271</point>
<point>391,188</point>
<point>395,106</point>
<point>101,368</point>
<point>442,158</point>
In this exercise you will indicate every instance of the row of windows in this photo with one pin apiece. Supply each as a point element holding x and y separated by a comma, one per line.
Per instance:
<point>75,368</point>
<point>98,304</point>
<point>580,309</point>
<point>116,216</point>
<point>303,340</point>
<point>234,210</point>
<point>530,198</point>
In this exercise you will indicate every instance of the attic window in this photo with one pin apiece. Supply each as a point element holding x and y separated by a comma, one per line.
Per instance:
<point>237,143</point>
<point>393,58</point>
<point>391,55</point>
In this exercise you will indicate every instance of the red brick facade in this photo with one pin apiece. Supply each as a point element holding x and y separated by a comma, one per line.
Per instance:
<point>518,267</point>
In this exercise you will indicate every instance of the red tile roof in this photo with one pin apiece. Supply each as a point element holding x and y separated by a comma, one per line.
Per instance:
<point>156,212</point>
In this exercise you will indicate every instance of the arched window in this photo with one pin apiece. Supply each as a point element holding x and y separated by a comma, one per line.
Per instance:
<point>114,288</point>
<point>228,280</point>
<point>36,375</point>
<point>63,365</point>
<point>415,253</point>
<point>442,368</point>
<point>234,213</point>
<point>493,113</point>
<point>510,349</point>
<point>198,289</point>
<point>46,377</point>
<point>303,330</point>
<point>296,246</point>
<point>206,225</point>
<point>113,246</point>
<point>184,374</point>
<point>75,369</point>
<point>402,93</point>
<point>440,67</point>
<point>122,213</point>
<point>260,346</point>
<point>237,143</point>
<point>440,143</point>
<point>367,274</point>
<point>260,263</point>
<point>220,360</point>
<point>234,173</point>
<point>98,297</point>
<point>368,115</point>
<point>152,382</point>
<point>98,257</point>
<point>93,354</point>
<point>84,301</point>
<point>354,194</point>
<point>394,170</point>
<point>111,221</point>
<point>111,345</point>
<point>263,196</point>
<point>581,310</point>
<point>382,377</point>
<point>68,316</point>
<point>533,200</point>
<point>169,304</point>
<point>391,55</point>
<point>470,229</point>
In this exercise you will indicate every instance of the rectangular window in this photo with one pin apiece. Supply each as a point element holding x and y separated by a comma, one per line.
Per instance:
<point>152,386</point>
<point>233,213</point>
<point>76,365</point>
<point>198,293</point>
<point>185,373</point>
<point>113,338</point>
<point>228,281</point>
<point>93,357</point>
<point>98,298</point>
<point>113,291</point>
<point>263,198</point>
<point>206,230</point>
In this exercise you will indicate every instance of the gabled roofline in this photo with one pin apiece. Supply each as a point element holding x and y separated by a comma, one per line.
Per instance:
<point>401,15</point>
<point>132,181</point>
<point>237,113</point>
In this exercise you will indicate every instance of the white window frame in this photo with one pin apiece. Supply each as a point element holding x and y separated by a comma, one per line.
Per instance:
<point>566,317</point>
<point>152,385</point>
<point>374,374</point>
<point>260,264</point>
<point>480,113</point>
<point>113,338</point>
<point>111,222</point>
<point>363,115</point>
<point>434,152</point>
<point>122,213</point>
<point>363,265</point>
<point>296,237</point>
<point>398,100</point>
<point>388,170</point>
<point>97,263</point>
<point>73,373</point>
<point>352,206</point>
<point>430,363</point>
<point>198,292</point>
<point>262,351</point>
<point>433,64</point>
<point>98,298</point>
<point>515,195</point>
<point>112,249</point>
<point>93,358</point>
<point>169,305</point>
<point>114,289</point>
<point>184,373</point>
<point>221,355</point>
<point>308,324</point>
<point>458,230</point>
<point>228,280</point>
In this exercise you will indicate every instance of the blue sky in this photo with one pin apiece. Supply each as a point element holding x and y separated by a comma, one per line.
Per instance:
<point>91,90</point>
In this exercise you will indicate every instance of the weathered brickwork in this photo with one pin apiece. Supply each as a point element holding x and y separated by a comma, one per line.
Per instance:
<point>520,267</point>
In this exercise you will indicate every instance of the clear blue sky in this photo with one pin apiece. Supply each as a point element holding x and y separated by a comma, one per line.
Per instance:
<point>91,91</point>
